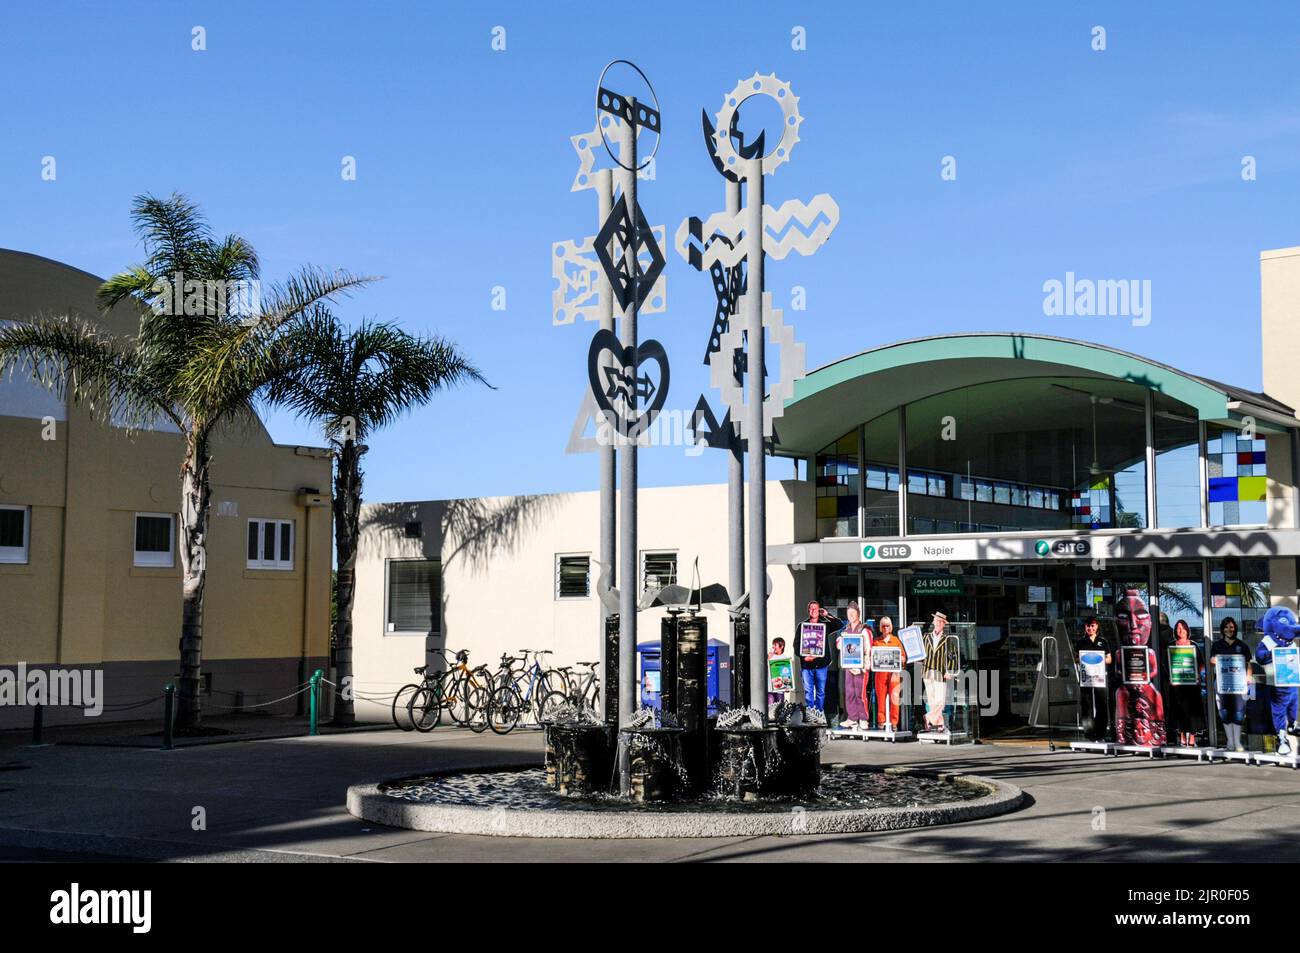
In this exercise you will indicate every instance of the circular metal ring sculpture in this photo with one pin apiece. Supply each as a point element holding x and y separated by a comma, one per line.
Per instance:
<point>780,93</point>
<point>609,102</point>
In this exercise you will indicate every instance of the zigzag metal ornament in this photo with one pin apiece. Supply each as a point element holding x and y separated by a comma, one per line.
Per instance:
<point>576,267</point>
<point>795,226</point>
<point>626,274</point>
<point>793,367</point>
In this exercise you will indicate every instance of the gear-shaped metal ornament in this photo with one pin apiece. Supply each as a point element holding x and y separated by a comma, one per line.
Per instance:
<point>725,151</point>
<point>793,359</point>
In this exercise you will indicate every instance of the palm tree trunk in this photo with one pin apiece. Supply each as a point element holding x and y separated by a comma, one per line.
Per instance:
<point>196,494</point>
<point>347,511</point>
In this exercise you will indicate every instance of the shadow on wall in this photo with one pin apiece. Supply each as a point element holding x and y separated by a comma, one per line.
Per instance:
<point>475,531</point>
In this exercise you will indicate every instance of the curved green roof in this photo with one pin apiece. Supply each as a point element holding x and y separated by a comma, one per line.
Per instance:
<point>853,389</point>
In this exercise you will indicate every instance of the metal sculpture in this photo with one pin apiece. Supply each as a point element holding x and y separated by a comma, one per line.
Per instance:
<point>721,243</point>
<point>621,265</point>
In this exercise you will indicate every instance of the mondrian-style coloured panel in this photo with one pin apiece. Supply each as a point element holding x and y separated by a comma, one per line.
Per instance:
<point>1237,494</point>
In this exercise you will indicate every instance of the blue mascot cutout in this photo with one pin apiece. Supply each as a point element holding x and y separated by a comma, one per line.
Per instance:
<point>1280,629</point>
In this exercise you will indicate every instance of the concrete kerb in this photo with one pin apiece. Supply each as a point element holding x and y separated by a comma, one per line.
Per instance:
<point>368,802</point>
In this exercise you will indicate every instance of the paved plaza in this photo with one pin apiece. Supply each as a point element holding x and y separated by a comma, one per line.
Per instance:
<point>280,799</point>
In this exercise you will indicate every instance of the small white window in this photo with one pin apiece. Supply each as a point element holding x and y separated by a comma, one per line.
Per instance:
<point>155,539</point>
<point>15,524</point>
<point>573,576</point>
<point>658,569</point>
<point>270,544</point>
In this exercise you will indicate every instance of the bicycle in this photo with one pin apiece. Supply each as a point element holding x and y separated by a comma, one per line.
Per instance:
<point>511,699</point>
<point>462,690</point>
<point>583,692</point>
<point>402,699</point>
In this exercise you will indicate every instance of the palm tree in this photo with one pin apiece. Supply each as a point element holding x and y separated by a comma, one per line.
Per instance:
<point>210,338</point>
<point>352,382</point>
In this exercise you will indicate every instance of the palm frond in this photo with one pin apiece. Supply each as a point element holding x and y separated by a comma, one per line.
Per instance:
<point>78,360</point>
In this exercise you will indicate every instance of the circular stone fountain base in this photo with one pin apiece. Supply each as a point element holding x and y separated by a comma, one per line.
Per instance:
<point>972,798</point>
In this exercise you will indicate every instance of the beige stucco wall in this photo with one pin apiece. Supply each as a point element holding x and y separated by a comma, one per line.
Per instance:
<point>79,599</point>
<point>498,559</point>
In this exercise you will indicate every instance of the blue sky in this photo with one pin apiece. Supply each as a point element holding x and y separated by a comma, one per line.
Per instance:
<point>1122,164</point>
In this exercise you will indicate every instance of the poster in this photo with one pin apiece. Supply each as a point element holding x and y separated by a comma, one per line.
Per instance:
<point>812,639</point>
<point>1092,669</point>
<point>1286,666</point>
<point>1183,669</point>
<point>1230,674</point>
<point>913,644</point>
<point>886,658</point>
<point>851,649</point>
<point>780,675</point>
<point>1135,664</point>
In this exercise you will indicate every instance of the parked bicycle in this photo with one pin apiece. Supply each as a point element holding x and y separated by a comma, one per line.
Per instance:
<point>520,688</point>
<point>463,691</point>
<point>582,691</point>
<point>402,700</point>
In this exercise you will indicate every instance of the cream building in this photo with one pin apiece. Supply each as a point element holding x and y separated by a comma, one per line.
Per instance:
<point>501,574</point>
<point>89,574</point>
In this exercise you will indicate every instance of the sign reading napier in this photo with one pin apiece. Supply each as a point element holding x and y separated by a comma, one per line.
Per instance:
<point>971,549</point>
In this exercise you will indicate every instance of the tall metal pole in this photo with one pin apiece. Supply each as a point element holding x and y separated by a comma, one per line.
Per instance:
<point>606,451</point>
<point>754,368</point>
<point>627,683</point>
<point>735,471</point>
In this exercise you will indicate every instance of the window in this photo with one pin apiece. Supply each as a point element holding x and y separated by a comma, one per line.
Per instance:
<point>1237,468</point>
<point>415,595</point>
<point>837,488</point>
<point>14,523</point>
<point>572,577</point>
<point>658,570</point>
<point>270,544</point>
<point>155,538</point>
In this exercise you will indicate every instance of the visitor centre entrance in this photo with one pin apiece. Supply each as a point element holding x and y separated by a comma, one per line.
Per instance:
<point>1018,626</point>
<point>1021,486</point>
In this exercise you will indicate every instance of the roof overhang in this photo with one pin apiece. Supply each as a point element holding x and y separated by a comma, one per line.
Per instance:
<point>833,398</point>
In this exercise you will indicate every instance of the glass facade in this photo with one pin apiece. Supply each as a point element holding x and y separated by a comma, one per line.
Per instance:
<point>1040,455</point>
<point>1031,454</point>
<point>837,488</point>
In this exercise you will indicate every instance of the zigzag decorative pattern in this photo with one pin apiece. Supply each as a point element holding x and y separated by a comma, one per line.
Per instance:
<point>801,227</point>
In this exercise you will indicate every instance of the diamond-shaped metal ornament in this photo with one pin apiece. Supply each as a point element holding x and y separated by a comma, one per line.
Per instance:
<point>623,266</point>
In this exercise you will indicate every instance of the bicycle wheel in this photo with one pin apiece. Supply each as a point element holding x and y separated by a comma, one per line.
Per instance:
<point>504,709</point>
<point>552,704</point>
<point>479,702</point>
<point>456,698</point>
<point>548,684</point>
<point>591,697</point>
<point>400,701</point>
<point>425,710</point>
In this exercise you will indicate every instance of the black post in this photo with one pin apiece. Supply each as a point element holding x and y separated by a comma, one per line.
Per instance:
<point>169,715</point>
<point>740,663</point>
<point>609,693</point>
<point>693,697</point>
<point>38,724</point>
<point>668,694</point>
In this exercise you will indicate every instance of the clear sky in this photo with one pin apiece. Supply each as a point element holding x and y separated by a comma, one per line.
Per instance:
<point>1117,164</point>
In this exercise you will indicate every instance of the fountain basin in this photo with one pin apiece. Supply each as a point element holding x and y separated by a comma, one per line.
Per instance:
<point>515,804</point>
<point>579,758</point>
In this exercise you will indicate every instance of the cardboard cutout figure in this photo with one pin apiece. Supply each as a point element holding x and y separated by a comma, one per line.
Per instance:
<point>1139,708</point>
<point>1280,629</point>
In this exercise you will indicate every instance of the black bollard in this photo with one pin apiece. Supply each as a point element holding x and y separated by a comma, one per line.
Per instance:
<point>38,724</point>
<point>169,715</point>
